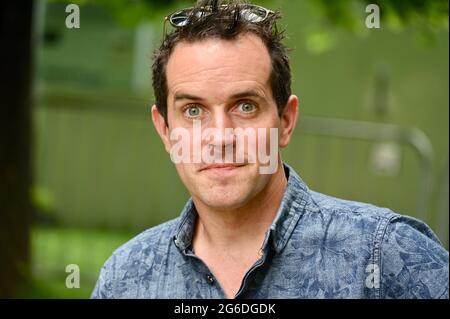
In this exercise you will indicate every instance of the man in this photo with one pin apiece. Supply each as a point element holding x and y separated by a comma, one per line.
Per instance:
<point>252,228</point>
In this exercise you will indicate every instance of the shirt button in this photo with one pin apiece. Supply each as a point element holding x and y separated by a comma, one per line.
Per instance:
<point>210,279</point>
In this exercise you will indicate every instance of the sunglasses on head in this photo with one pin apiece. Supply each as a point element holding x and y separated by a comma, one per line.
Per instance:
<point>248,12</point>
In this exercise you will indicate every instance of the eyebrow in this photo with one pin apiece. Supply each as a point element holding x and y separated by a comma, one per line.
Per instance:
<point>185,96</point>
<point>240,95</point>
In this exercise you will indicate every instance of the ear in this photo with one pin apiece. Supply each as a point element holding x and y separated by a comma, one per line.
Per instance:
<point>288,121</point>
<point>161,127</point>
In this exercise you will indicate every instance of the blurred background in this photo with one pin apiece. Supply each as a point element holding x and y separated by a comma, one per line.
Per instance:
<point>82,169</point>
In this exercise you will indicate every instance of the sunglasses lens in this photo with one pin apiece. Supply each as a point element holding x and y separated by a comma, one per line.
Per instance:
<point>254,14</point>
<point>179,19</point>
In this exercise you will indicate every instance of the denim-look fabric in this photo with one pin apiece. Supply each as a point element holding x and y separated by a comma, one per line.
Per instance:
<point>316,247</point>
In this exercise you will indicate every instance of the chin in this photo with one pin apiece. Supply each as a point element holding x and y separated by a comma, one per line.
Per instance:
<point>224,201</point>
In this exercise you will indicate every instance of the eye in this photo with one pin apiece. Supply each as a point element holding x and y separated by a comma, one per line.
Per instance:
<point>193,111</point>
<point>246,107</point>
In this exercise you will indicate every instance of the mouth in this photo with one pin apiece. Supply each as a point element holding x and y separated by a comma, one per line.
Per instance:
<point>221,167</point>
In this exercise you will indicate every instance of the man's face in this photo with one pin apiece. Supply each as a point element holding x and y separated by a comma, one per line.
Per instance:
<point>222,84</point>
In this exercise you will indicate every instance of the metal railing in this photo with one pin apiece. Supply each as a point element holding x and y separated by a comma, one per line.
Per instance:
<point>379,132</point>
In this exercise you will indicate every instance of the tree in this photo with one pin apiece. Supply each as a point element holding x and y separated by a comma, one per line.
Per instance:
<point>15,155</point>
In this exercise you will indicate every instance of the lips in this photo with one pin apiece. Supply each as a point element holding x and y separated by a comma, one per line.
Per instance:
<point>221,167</point>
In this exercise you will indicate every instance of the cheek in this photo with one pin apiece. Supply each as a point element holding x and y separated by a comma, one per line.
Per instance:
<point>267,140</point>
<point>186,174</point>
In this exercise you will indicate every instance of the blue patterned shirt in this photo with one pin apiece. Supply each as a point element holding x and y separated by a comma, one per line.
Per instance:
<point>316,247</point>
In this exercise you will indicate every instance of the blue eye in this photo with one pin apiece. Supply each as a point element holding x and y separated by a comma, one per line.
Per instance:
<point>246,107</point>
<point>193,111</point>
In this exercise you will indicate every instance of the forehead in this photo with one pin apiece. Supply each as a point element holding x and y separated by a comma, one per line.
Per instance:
<point>219,64</point>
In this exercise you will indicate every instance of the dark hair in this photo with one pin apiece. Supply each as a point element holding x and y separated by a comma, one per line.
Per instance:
<point>226,23</point>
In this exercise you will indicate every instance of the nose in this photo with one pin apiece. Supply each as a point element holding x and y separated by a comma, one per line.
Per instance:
<point>221,128</point>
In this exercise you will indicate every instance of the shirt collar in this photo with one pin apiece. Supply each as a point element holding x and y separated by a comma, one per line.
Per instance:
<point>293,204</point>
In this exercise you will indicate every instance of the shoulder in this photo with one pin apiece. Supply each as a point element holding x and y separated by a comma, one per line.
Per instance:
<point>124,264</point>
<point>414,264</point>
<point>411,261</point>
<point>344,230</point>
<point>352,213</point>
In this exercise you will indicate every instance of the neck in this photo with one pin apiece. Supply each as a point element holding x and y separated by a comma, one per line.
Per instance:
<point>245,226</point>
